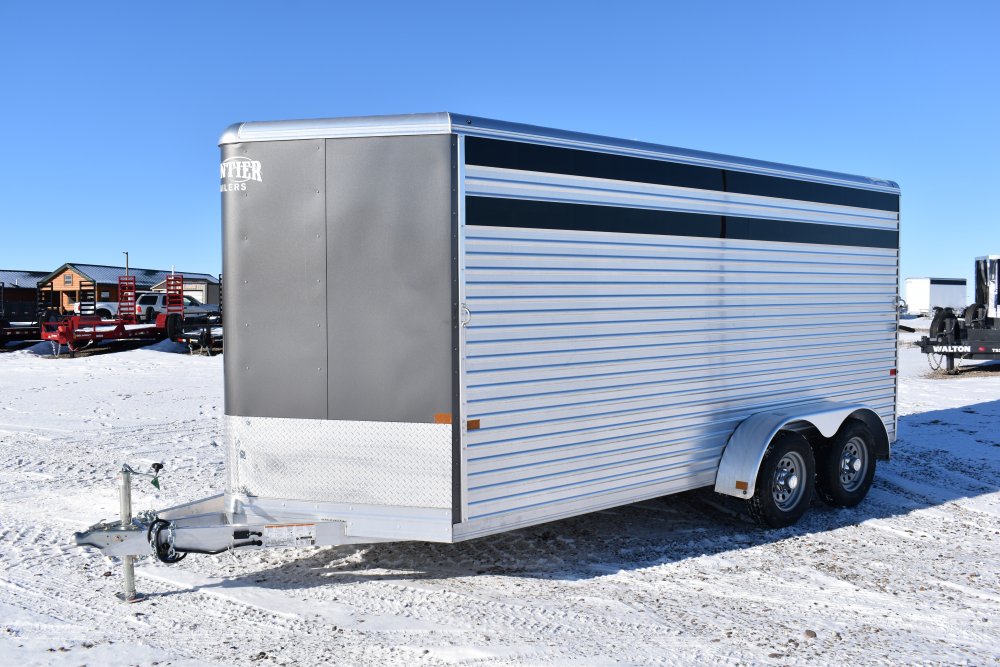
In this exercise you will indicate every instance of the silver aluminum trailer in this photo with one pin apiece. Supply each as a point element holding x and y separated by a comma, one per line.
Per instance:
<point>499,325</point>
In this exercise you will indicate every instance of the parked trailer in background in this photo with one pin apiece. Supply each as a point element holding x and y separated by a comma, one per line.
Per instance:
<point>499,325</point>
<point>19,296</point>
<point>969,333</point>
<point>17,333</point>
<point>924,295</point>
<point>19,312</point>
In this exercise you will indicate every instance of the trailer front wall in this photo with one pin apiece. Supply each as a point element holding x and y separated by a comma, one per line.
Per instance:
<point>621,329</point>
<point>918,295</point>
<point>339,320</point>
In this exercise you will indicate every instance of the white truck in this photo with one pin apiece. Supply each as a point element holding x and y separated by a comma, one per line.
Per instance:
<point>149,304</point>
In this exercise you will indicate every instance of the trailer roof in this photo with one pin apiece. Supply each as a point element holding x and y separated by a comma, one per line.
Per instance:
<point>15,278</point>
<point>447,123</point>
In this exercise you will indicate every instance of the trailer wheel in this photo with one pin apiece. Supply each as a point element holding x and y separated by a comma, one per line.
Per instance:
<point>785,481</point>
<point>943,323</point>
<point>846,465</point>
<point>974,314</point>
<point>173,325</point>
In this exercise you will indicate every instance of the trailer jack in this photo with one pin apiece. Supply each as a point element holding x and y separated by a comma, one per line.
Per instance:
<point>133,537</point>
<point>123,537</point>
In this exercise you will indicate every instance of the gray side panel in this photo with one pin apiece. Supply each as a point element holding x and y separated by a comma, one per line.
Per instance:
<point>274,255</point>
<point>389,271</point>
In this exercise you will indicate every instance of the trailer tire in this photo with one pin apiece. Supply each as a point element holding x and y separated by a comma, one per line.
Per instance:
<point>173,325</point>
<point>846,465</point>
<point>944,323</point>
<point>785,481</point>
<point>974,314</point>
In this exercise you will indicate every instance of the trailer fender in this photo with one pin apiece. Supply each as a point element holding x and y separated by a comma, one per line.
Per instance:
<point>741,459</point>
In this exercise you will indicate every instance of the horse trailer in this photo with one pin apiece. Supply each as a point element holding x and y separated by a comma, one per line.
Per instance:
<point>442,327</point>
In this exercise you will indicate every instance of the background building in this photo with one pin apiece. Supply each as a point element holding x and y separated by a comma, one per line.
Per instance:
<point>198,286</point>
<point>67,281</point>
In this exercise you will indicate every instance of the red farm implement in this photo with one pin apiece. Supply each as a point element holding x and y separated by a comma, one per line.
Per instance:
<point>79,331</point>
<point>126,299</point>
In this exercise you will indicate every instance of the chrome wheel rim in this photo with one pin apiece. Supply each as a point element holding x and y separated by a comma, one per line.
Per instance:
<point>853,464</point>
<point>788,483</point>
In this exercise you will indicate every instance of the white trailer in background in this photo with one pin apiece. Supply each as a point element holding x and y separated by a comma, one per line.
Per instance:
<point>923,295</point>
<point>499,325</point>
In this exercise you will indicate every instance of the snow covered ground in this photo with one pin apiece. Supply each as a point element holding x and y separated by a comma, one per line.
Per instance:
<point>910,576</point>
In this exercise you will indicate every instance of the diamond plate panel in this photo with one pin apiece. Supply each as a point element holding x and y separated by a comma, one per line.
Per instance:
<point>376,463</point>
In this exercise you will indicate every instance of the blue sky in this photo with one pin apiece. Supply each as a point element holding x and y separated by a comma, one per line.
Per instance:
<point>111,111</point>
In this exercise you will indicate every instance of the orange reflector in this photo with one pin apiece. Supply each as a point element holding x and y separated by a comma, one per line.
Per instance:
<point>742,486</point>
<point>892,371</point>
<point>472,424</point>
<point>442,418</point>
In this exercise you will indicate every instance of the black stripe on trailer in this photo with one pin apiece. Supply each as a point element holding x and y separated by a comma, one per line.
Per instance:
<point>789,231</point>
<point>519,155</point>
<point>533,214</point>
<point>530,213</point>
<point>946,281</point>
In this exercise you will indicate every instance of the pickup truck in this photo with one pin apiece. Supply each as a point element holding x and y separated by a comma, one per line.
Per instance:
<point>149,304</point>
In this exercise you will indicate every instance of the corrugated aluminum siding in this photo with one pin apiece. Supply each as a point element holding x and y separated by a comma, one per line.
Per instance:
<point>605,368</point>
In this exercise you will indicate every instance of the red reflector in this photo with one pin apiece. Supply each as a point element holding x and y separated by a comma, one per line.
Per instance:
<point>982,349</point>
<point>892,371</point>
